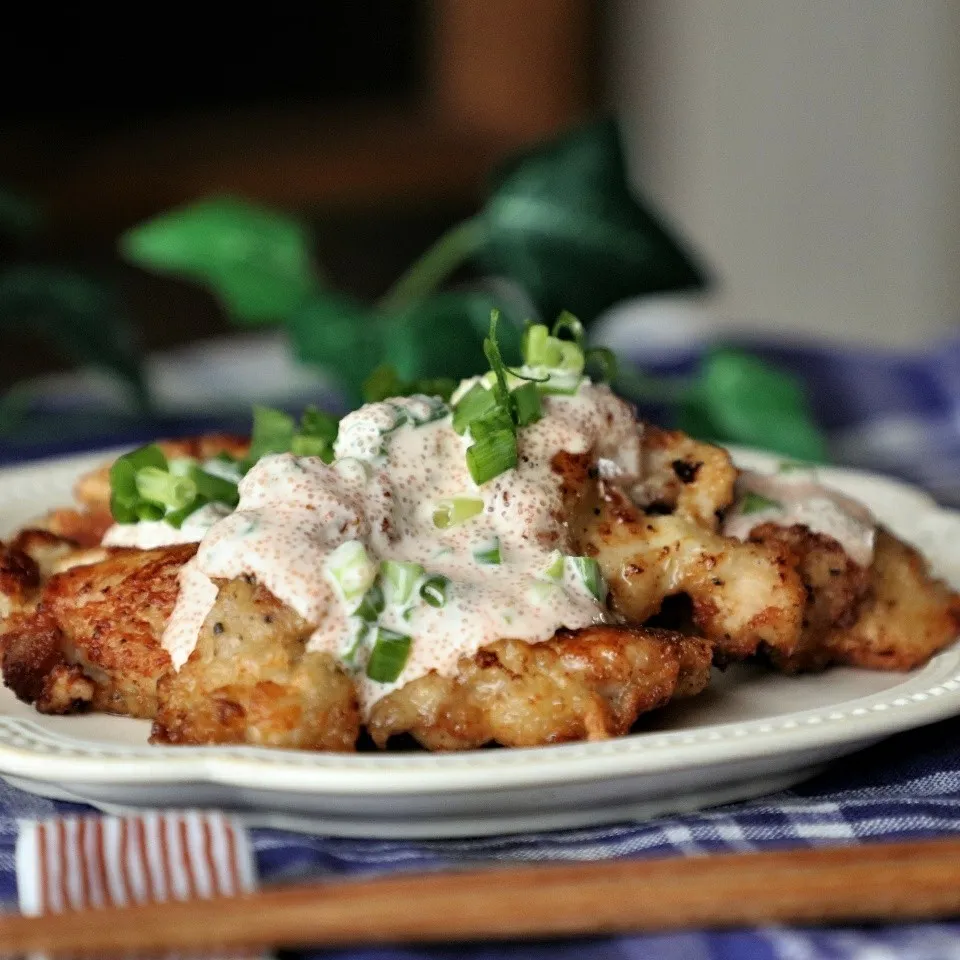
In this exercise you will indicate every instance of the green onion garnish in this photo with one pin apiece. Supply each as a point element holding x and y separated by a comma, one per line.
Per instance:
<point>149,511</point>
<point>489,553</point>
<point>555,565</point>
<point>448,513</point>
<point>350,654</point>
<point>526,404</point>
<point>213,488</point>
<point>352,570</point>
<point>371,606</point>
<point>399,578</point>
<point>476,402</point>
<point>434,590</point>
<point>496,421</point>
<point>384,382</point>
<point>162,488</point>
<point>757,503</point>
<point>304,446</point>
<point>176,517</point>
<point>493,455</point>
<point>540,593</point>
<point>588,570</point>
<point>389,656</point>
<point>272,432</point>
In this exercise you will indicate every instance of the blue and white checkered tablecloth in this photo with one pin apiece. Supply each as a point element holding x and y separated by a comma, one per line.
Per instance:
<point>894,411</point>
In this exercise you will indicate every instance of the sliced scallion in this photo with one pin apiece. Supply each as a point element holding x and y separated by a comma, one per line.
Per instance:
<point>476,402</point>
<point>541,594</point>
<point>526,404</point>
<point>448,513</point>
<point>388,656</point>
<point>371,606</point>
<point>176,517</point>
<point>149,511</point>
<point>214,488</point>
<point>588,570</point>
<point>400,577</point>
<point>433,590</point>
<point>555,565</point>
<point>272,432</point>
<point>352,570</point>
<point>489,553</point>
<point>491,456</point>
<point>159,487</point>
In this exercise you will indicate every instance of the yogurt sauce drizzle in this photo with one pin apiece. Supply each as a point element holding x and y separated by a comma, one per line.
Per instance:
<point>382,490</point>
<point>794,496</point>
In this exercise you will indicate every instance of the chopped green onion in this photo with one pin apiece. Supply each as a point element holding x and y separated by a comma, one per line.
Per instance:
<point>448,513</point>
<point>539,348</point>
<point>495,421</point>
<point>757,503</point>
<point>493,455</point>
<point>163,489</point>
<point>272,432</point>
<point>176,517</point>
<point>318,423</point>
<point>307,446</point>
<point>434,590</point>
<point>569,324</point>
<point>124,496</point>
<point>371,606</point>
<point>352,571</point>
<point>476,402</point>
<point>389,656</point>
<point>489,553</point>
<point>555,565</point>
<point>588,570</point>
<point>606,360</point>
<point>491,349</point>
<point>149,511</point>
<point>122,512</point>
<point>384,382</point>
<point>214,488</point>
<point>362,632</point>
<point>181,466</point>
<point>526,405</point>
<point>400,576</point>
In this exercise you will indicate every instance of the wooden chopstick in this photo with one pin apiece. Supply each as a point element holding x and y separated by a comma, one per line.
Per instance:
<point>877,882</point>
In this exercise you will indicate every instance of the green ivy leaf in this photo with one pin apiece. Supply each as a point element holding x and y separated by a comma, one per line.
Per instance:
<point>563,222</point>
<point>740,399</point>
<point>81,317</point>
<point>441,336</point>
<point>256,261</point>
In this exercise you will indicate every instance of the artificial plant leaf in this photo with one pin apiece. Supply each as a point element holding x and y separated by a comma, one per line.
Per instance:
<point>740,399</point>
<point>256,261</point>
<point>80,317</point>
<point>440,336</point>
<point>563,222</point>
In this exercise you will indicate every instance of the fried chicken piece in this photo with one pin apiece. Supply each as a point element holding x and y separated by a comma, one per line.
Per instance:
<point>685,477</point>
<point>742,594</point>
<point>905,617</point>
<point>94,639</point>
<point>93,488</point>
<point>836,589</point>
<point>19,581</point>
<point>584,684</point>
<point>249,680</point>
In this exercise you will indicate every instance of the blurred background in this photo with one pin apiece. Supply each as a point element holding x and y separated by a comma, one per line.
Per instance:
<point>807,150</point>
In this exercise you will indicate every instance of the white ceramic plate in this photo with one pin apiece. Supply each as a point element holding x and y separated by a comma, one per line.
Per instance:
<point>750,733</point>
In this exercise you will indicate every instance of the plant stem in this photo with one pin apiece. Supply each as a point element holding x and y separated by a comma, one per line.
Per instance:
<point>427,273</point>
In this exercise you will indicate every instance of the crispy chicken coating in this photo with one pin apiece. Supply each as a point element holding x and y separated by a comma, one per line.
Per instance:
<point>685,477</point>
<point>250,680</point>
<point>743,595</point>
<point>96,633</point>
<point>587,684</point>
<point>836,589</point>
<point>904,615</point>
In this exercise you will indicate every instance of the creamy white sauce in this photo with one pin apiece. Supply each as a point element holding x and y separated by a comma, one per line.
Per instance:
<point>382,490</point>
<point>157,533</point>
<point>799,498</point>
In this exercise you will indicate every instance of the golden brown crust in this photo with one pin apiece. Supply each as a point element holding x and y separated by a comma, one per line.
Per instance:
<point>836,588</point>
<point>584,684</point>
<point>905,618</point>
<point>691,479</point>
<point>106,619</point>
<point>250,680</point>
<point>743,595</point>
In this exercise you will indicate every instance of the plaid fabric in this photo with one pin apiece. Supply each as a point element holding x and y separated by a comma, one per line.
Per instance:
<point>897,412</point>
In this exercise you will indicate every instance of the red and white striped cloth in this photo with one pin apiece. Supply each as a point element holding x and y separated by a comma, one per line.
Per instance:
<point>87,862</point>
